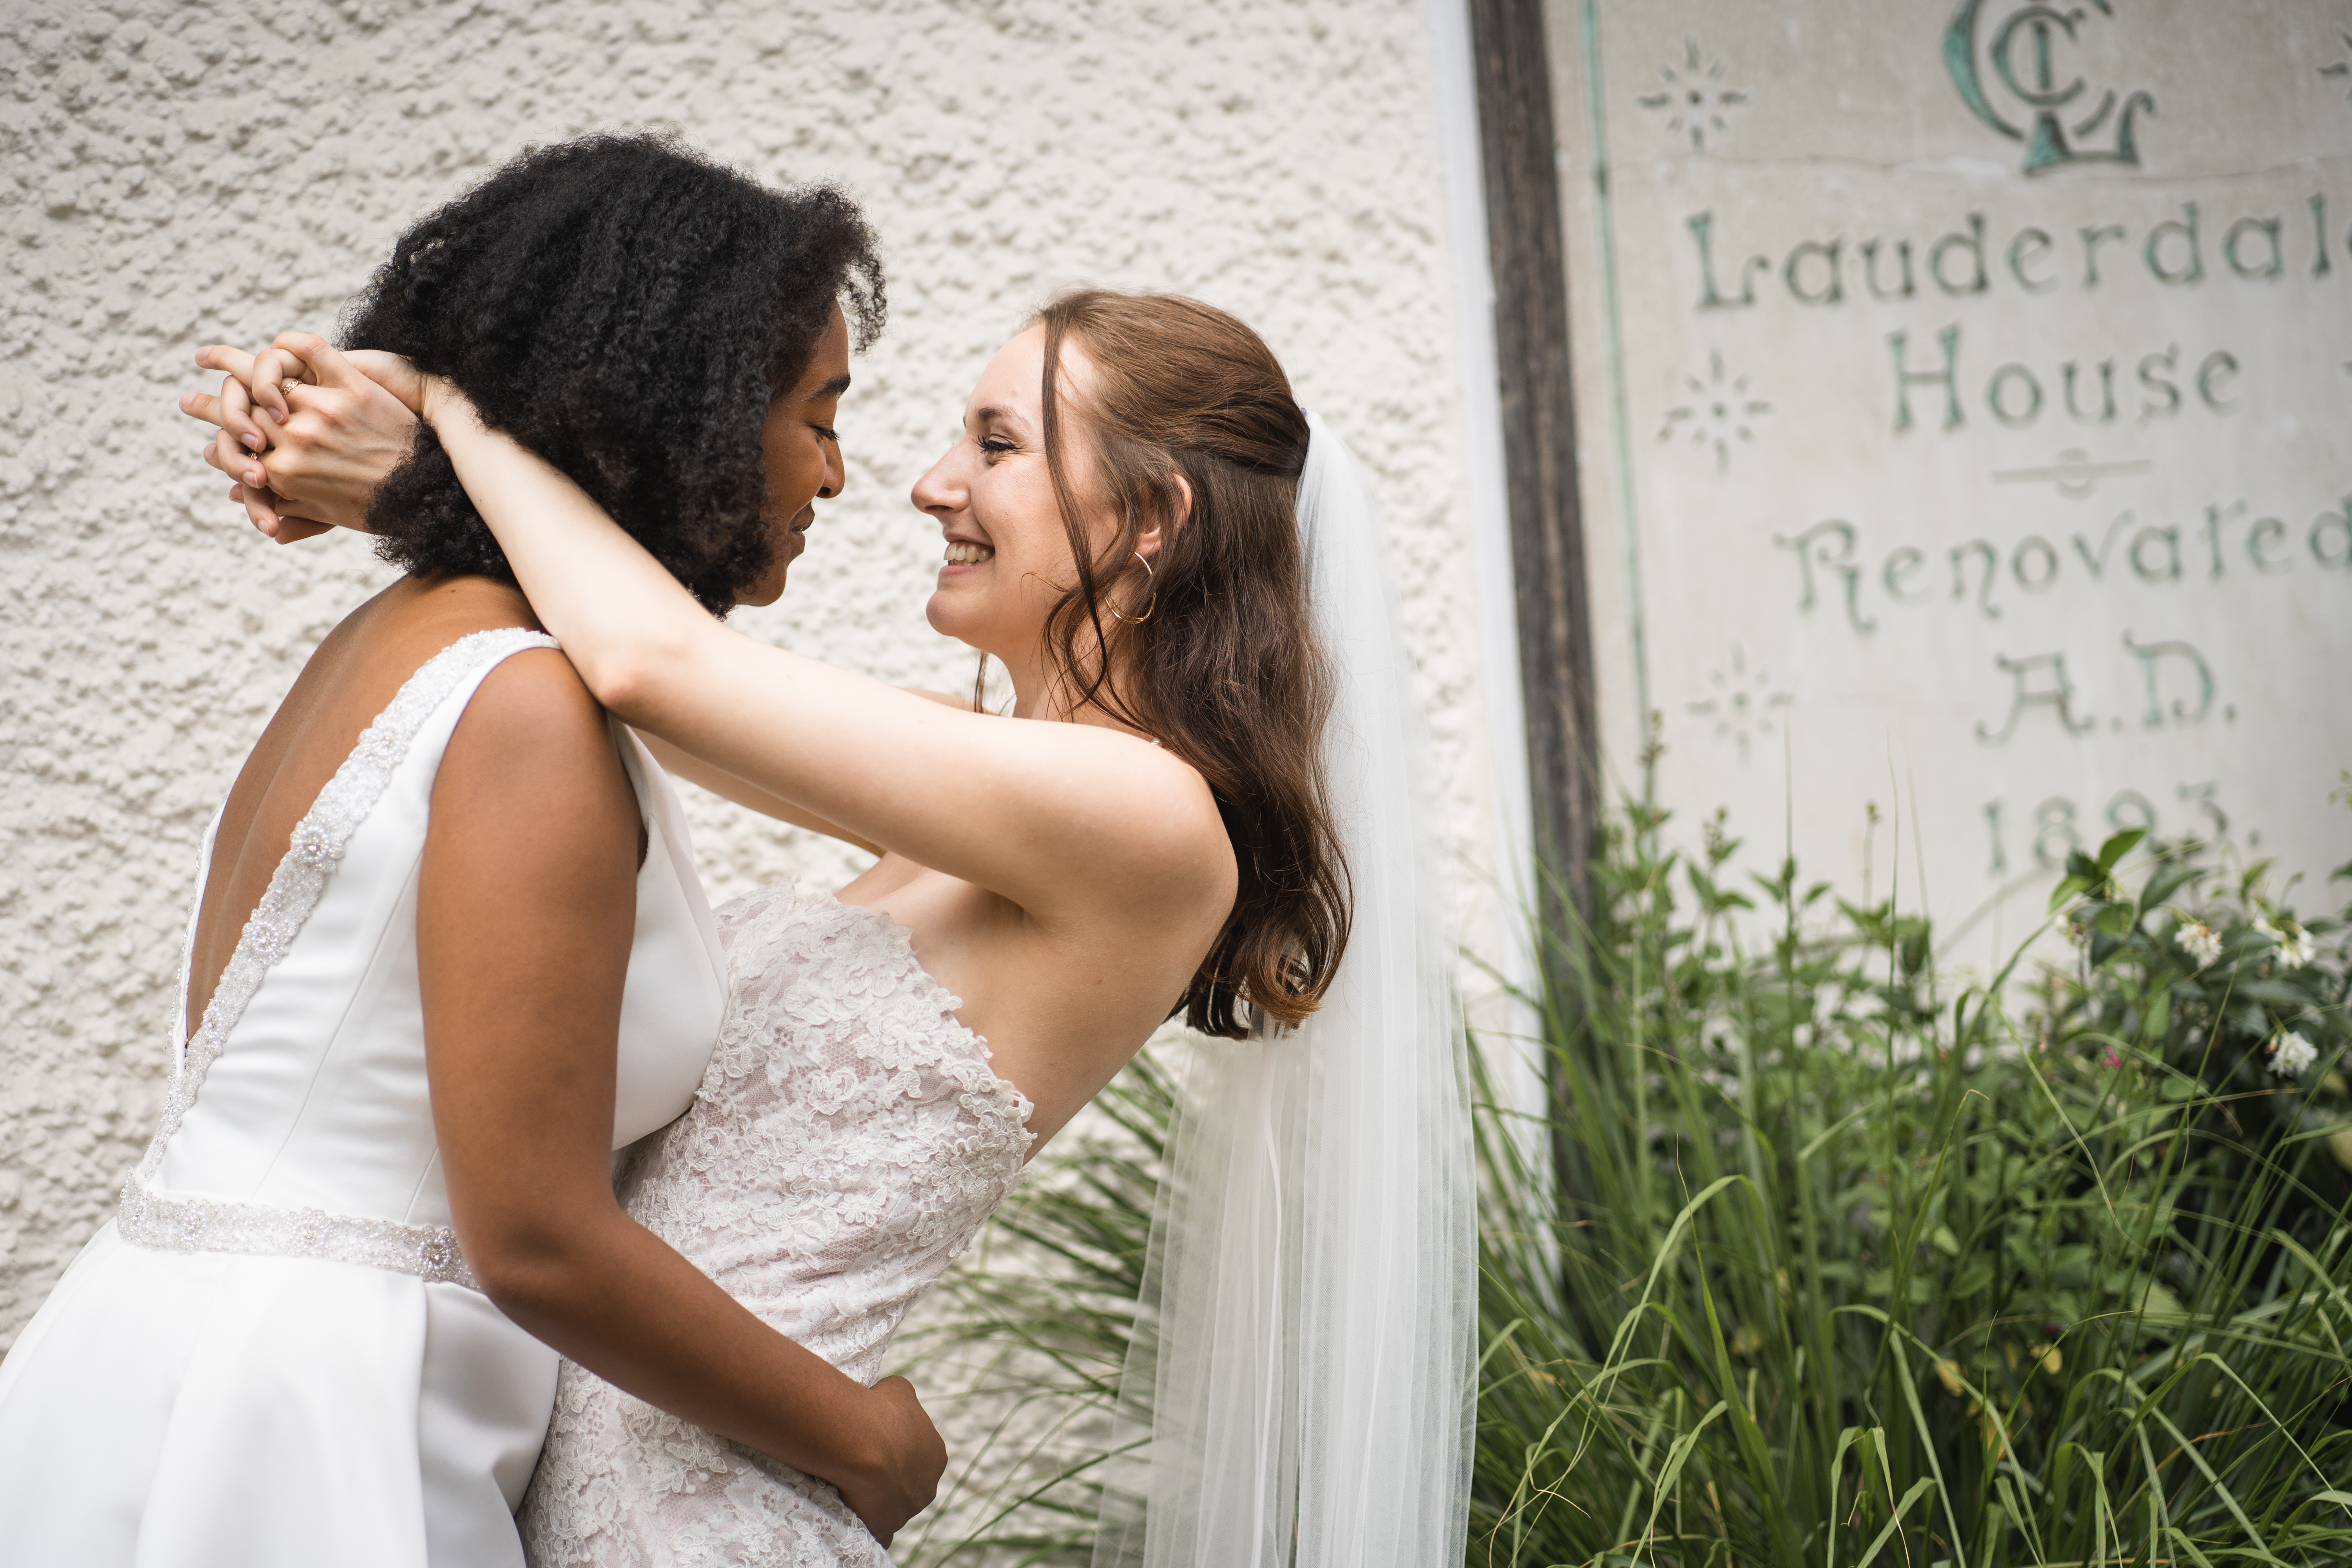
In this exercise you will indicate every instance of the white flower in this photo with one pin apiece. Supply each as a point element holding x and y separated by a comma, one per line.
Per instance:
<point>2292,1055</point>
<point>2293,946</point>
<point>2198,941</point>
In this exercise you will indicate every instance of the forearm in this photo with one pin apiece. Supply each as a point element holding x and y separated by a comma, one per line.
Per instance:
<point>604,599</point>
<point>615,1298</point>
<point>685,764</point>
<point>526,912</point>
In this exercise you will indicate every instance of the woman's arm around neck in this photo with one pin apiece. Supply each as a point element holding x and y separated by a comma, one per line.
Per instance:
<point>1075,822</point>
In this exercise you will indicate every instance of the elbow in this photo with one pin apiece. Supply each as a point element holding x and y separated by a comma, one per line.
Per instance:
<point>535,1273</point>
<point>615,677</point>
<point>627,674</point>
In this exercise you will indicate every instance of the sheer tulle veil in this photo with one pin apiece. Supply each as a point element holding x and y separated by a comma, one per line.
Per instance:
<point>1298,1391</point>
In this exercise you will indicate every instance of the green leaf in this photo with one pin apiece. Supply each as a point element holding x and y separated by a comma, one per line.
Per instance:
<point>2168,879</point>
<point>1676,1458</point>
<point>2180,1538</point>
<point>2118,845</point>
<point>1919,1490</point>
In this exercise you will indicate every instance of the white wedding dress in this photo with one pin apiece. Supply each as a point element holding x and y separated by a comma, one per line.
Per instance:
<point>848,1140</point>
<point>275,1356</point>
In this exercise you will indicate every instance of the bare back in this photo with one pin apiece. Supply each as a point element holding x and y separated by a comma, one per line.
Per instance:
<point>348,681</point>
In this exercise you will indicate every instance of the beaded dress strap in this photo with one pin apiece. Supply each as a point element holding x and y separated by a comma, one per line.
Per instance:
<point>154,1218</point>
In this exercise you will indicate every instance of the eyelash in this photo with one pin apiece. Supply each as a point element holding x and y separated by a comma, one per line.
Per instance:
<point>996,445</point>
<point>825,433</point>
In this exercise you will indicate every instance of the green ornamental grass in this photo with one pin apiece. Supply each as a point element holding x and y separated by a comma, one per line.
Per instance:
<point>1844,1271</point>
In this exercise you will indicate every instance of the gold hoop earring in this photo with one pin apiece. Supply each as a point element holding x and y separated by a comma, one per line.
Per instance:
<point>1153,578</point>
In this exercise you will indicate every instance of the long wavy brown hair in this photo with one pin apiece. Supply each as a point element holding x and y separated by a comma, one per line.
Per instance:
<point>1216,655</point>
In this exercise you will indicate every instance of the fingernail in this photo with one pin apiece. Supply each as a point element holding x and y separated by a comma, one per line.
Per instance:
<point>254,442</point>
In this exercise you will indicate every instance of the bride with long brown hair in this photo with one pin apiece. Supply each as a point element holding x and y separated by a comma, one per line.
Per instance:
<point>1202,805</point>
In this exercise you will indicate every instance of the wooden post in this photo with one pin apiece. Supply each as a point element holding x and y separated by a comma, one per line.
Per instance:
<point>1513,73</point>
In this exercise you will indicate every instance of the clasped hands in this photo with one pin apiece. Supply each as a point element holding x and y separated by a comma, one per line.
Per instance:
<point>307,431</point>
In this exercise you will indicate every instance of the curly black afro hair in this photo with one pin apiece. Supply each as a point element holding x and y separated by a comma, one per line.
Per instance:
<point>627,310</point>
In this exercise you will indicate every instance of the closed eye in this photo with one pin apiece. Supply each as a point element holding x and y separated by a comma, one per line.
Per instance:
<point>825,433</point>
<point>996,445</point>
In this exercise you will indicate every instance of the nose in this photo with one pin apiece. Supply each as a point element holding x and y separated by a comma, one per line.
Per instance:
<point>837,473</point>
<point>941,491</point>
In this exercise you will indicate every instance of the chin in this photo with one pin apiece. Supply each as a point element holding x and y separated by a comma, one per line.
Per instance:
<point>764,591</point>
<point>950,619</point>
<point>939,611</point>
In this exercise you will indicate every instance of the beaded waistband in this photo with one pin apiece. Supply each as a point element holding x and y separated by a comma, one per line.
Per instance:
<point>162,1222</point>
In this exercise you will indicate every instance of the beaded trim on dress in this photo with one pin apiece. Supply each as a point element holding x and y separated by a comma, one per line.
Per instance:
<point>154,1218</point>
<point>164,1221</point>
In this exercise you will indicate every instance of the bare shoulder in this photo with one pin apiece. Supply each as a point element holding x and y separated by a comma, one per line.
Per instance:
<point>530,700</point>
<point>532,792</point>
<point>534,711</point>
<point>1173,826</point>
<point>531,729</point>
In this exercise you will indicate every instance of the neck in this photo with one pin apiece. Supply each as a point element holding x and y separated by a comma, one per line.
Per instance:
<point>1040,691</point>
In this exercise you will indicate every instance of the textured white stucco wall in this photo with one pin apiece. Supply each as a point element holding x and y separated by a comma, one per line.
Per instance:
<point>172,173</point>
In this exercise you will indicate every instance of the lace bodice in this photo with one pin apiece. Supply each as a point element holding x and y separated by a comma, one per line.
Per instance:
<point>848,1140</point>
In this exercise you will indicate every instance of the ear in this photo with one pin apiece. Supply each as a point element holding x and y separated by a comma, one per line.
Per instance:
<point>1148,542</point>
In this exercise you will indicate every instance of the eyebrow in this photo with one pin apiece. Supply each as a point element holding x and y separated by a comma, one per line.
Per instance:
<point>833,389</point>
<point>998,411</point>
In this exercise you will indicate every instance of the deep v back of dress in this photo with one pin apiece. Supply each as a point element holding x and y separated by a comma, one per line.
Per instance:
<point>276,1355</point>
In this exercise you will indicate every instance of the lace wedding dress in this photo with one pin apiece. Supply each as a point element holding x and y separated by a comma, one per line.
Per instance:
<point>275,1355</point>
<point>848,1140</point>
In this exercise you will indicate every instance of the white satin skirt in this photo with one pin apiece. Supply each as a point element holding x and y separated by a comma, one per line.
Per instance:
<point>202,1410</point>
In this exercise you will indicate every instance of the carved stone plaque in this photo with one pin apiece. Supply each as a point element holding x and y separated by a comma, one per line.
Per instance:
<point>1965,404</point>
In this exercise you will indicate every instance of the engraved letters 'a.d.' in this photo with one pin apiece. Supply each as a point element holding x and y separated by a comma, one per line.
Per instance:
<point>2015,60</point>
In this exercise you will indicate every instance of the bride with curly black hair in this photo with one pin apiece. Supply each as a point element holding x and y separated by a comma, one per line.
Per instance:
<point>326,1324</point>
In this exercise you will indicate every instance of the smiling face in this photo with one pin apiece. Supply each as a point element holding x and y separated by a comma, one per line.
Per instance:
<point>1008,556</point>
<point>799,455</point>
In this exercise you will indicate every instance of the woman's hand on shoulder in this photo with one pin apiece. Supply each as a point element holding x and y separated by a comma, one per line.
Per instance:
<point>307,431</point>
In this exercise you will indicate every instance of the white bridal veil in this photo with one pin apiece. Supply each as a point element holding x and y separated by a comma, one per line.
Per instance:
<point>1312,1252</point>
